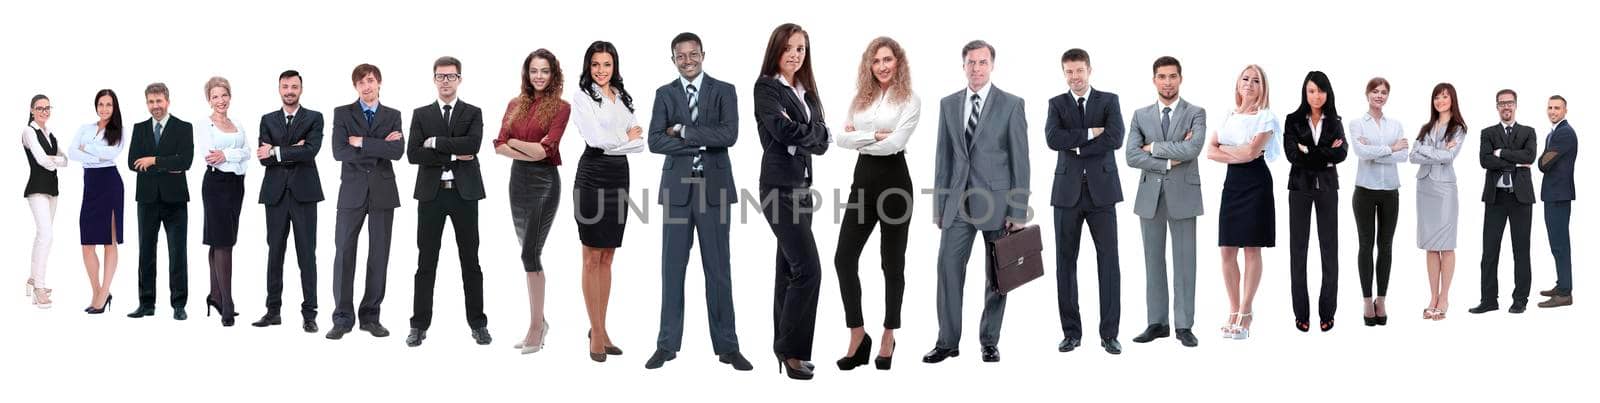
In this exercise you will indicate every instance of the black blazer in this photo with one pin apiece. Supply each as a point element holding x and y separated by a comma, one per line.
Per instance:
<point>716,129</point>
<point>366,178</point>
<point>163,182</point>
<point>1560,151</point>
<point>295,167</point>
<point>1095,159</point>
<point>462,136</point>
<point>808,133</point>
<point>1520,148</point>
<point>1311,170</point>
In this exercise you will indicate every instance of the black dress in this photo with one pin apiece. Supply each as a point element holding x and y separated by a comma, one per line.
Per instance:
<point>1247,214</point>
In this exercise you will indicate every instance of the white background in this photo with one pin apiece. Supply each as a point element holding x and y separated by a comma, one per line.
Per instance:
<point>68,50</point>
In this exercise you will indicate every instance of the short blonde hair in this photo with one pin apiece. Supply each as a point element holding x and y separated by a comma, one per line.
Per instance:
<point>1262,102</point>
<point>216,82</point>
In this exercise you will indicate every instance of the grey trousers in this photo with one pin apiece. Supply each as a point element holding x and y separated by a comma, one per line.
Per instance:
<point>955,250</point>
<point>1155,266</point>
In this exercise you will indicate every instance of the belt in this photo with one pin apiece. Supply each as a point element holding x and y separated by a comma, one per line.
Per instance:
<point>214,169</point>
<point>1507,190</point>
<point>447,184</point>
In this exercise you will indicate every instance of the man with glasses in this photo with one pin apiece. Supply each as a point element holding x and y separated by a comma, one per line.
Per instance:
<point>1507,150</point>
<point>445,138</point>
<point>694,121</point>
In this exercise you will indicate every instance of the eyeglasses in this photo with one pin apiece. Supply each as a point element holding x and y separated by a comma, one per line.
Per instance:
<point>452,77</point>
<point>686,57</point>
<point>1503,104</point>
<point>41,109</point>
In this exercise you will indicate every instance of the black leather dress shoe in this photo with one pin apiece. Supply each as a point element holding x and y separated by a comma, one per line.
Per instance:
<point>416,337</point>
<point>1069,344</point>
<point>179,314</point>
<point>480,335</point>
<point>1111,346</point>
<point>1153,332</point>
<point>991,354</point>
<point>1187,338</point>
<point>1518,307</point>
<point>940,354</point>
<point>310,326</point>
<point>338,332</point>
<point>1484,307</point>
<point>268,320</point>
<point>143,311</point>
<point>375,328</point>
<point>736,360</point>
<point>659,358</point>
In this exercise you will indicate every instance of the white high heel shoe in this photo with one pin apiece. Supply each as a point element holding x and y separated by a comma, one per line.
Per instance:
<point>1229,329</point>
<point>28,289</point>
<point>542,334</point>
<point>1242,332</point>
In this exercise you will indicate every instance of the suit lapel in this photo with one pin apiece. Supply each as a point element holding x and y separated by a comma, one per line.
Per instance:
<point>360,116</point>
<point>1178,115</point>
<point>951,110</point>
<point>680,101</point>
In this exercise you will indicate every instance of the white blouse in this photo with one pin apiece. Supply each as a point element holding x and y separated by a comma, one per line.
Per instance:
<point>901,119</point>
<point>1376,168</point>
<point>30,142</point>
<point>1239,129</point>
<point>95,152</point>
<point>236,154</point>
<point>604,125</point>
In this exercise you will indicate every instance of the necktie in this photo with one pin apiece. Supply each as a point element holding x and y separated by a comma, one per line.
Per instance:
<point>694,113</point>
<point>369,115</point>
<point>1085,115</point>
<point>158,132</point>
<point>288,121</point>
<point>972,120</point>
<point>447,115</point>
<point>1166,119</point>
<point>1505,176</point>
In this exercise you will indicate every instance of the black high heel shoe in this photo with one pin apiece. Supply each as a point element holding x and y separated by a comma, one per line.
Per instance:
<point>860,357</point>
<point>90,310</point>
<point>1327,325</point>
<point>1302,326</point>
<point>883,361</point>
<point>802,373</point>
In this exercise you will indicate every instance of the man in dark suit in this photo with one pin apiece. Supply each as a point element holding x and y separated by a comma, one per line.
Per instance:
<point>367,139</point>
<point>290,139</point>
<point>162,149</point>
<point>694,121</point>
<point>1557,161</point>
<point>1085,128</point>
<point>981,175</point>
<point>445,138</point>
<point>1506,151</point>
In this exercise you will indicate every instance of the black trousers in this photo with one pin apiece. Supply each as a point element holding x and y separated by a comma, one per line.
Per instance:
<point>431,216</point>
<point>1557,220</point>
<point>1377,212</point>
<point>1495,215</point>
<point>1102,223</point>
<point>1326,206</point>
<point>798,279</point>
<point>174,218</point>
<point>880,197</point>
<point>346,232</point>
<point>301,218</point>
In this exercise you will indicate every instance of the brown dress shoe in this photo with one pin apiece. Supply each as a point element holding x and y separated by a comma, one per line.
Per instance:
<point>1557,301</point>
<point>1548,293</point>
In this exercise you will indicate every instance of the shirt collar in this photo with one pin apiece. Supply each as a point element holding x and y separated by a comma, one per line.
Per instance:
<point>1085,96</point>
<point>35,125</point>
<point>698,80</point>
<point>368,108</point>
<point>1173,105</point>
<point>451,104</point>
<point>287,112</point>
<point>163,121</point>
<point>1508,125</point>
<point>982,93</point>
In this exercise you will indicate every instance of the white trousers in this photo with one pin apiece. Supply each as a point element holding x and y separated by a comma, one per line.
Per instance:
<point>44,216</point>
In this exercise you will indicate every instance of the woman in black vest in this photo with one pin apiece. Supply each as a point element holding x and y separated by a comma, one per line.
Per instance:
<point>44,156</point>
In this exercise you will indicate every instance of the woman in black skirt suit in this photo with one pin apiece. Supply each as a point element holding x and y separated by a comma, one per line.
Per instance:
<point>100,219</point>
<point>603,112</point>
<point>222,193</point>
<point>1247,141</point>
<point>789,120</point>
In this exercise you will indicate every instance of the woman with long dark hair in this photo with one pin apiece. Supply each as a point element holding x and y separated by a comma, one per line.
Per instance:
<point>1380,143</point>
<point>44,157</point>
<point>530,134</point>
<point>790,123</point>
<point>97,147</point>
<point>603,113</point>
<point>1438,143</point>
<point>883,114</point>
<point>1313,140</point>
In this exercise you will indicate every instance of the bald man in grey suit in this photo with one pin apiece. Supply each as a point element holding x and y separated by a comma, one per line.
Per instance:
<point>1163,142</point>
<point>981,185</point>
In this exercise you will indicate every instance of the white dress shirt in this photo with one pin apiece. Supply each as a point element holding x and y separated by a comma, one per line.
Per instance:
<point>31,143</point>
<point>234,151</point>
<point>431,142</point>
<point>604,125</point>
<point>900,119</point>
<point>96,153</point>
<point>966,103</point>
<point>699,87</point>
<point>1376,168</point>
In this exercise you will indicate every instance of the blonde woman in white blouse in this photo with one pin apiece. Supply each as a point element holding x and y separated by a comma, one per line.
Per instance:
<point>45,155</point>
<point>222,194</point>
<point>882,117</point>
<point>603,112</point>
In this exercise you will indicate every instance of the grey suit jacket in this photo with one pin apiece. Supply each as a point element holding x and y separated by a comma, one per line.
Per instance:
<point>366,178</point>
<point>992,174</point>
<point>1180,184</point>
<point>716,129</point>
